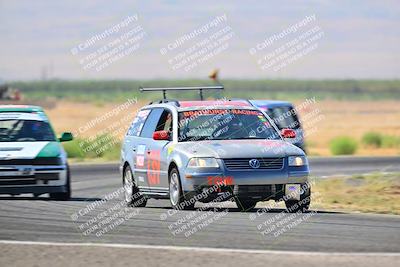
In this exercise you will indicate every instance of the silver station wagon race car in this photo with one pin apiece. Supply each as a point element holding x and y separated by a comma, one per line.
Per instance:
<point>32,159</point>
<point>191,151</point>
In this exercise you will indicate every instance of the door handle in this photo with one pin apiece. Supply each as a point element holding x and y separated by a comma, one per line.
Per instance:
<point>148,151</point>
<point>134,149</point>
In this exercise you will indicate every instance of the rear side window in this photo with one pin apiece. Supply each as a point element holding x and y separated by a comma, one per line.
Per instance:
<point>138,122</point>
<point>151,123</point>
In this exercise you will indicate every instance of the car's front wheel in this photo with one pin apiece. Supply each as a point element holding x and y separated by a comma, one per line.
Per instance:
<point>62,195</point>
<point>176,196</point>
<point>132,195</point>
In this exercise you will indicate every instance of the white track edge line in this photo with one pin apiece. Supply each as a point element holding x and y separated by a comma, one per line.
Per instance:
<point>199,249</point>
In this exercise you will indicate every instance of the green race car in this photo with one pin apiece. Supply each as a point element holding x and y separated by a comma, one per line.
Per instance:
<point>32,159</point>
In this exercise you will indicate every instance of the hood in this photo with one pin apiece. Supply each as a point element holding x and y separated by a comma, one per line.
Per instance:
<point>239,148</point>
<point>29,150</point>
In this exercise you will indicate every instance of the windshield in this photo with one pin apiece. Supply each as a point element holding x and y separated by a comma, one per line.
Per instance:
<point>25,131</point>
<point>224,124</point>
<point>284,117</point>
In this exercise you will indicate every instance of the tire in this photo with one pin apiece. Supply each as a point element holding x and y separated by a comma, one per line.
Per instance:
<point>63,196</point>
<point>176,196</point>
<point>302,205</point>
<point>133,197</point>
<point>245,204</point>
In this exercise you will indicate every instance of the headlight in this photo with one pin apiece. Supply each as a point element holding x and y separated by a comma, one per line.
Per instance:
<point>203,163</point>
<point>297,161</point>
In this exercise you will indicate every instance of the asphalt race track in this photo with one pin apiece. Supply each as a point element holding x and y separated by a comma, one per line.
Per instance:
<point>223,235</point>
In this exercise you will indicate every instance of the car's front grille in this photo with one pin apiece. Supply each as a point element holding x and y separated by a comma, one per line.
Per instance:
<point>29,179</point>
<point>18,180</point>
<point>48,176</point>
<point>266,192</point>
<point>252,189</point>
<point>35,161</point>
<point>264,164</point>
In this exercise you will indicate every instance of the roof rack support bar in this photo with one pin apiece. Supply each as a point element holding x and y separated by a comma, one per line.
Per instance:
<point>200,88</point>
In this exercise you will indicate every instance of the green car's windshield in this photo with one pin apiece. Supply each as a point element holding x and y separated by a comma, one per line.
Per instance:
<point>25,131</point>
<point>224,124</point>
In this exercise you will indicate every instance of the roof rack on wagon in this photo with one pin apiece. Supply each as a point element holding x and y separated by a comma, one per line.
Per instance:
<point>165,89</point>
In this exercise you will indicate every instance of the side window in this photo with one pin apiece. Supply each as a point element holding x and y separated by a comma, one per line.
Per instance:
<point>165,122</point>
<point>138,122</point>
<point>151,123</point>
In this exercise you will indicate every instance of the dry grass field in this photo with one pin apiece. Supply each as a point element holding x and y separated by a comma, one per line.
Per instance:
<point>354,119</point>
<point>376,193</point>
<point>323,121</point>
<point>371,193</point>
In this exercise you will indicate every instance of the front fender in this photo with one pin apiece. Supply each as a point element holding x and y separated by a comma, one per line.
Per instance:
<point>180,160</point>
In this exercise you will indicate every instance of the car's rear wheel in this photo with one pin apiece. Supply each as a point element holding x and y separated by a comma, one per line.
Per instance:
<point>62,195</point>
<point>302,205</point>
<point>132,195</point>
<point>176,196</point>
<point>245,204</point>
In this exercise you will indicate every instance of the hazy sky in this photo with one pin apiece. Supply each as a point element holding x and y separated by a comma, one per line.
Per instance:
<point>357,39</point>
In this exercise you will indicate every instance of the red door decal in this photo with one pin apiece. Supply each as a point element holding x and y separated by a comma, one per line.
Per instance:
<point>153,167</point>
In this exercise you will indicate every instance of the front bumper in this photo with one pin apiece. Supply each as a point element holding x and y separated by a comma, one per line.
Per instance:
<point>15,179</point>
<point>193,179</point>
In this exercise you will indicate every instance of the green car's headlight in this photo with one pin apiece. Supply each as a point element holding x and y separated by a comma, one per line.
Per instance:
<point>203,163</point>
<point>297,160</point>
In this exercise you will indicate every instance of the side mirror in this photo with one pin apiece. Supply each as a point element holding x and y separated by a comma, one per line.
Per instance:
<point>66,136</point>
<point>288,133</point>
<point>161,135</point>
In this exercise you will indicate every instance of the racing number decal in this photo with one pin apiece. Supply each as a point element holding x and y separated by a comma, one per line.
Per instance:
<point>154,167</point>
